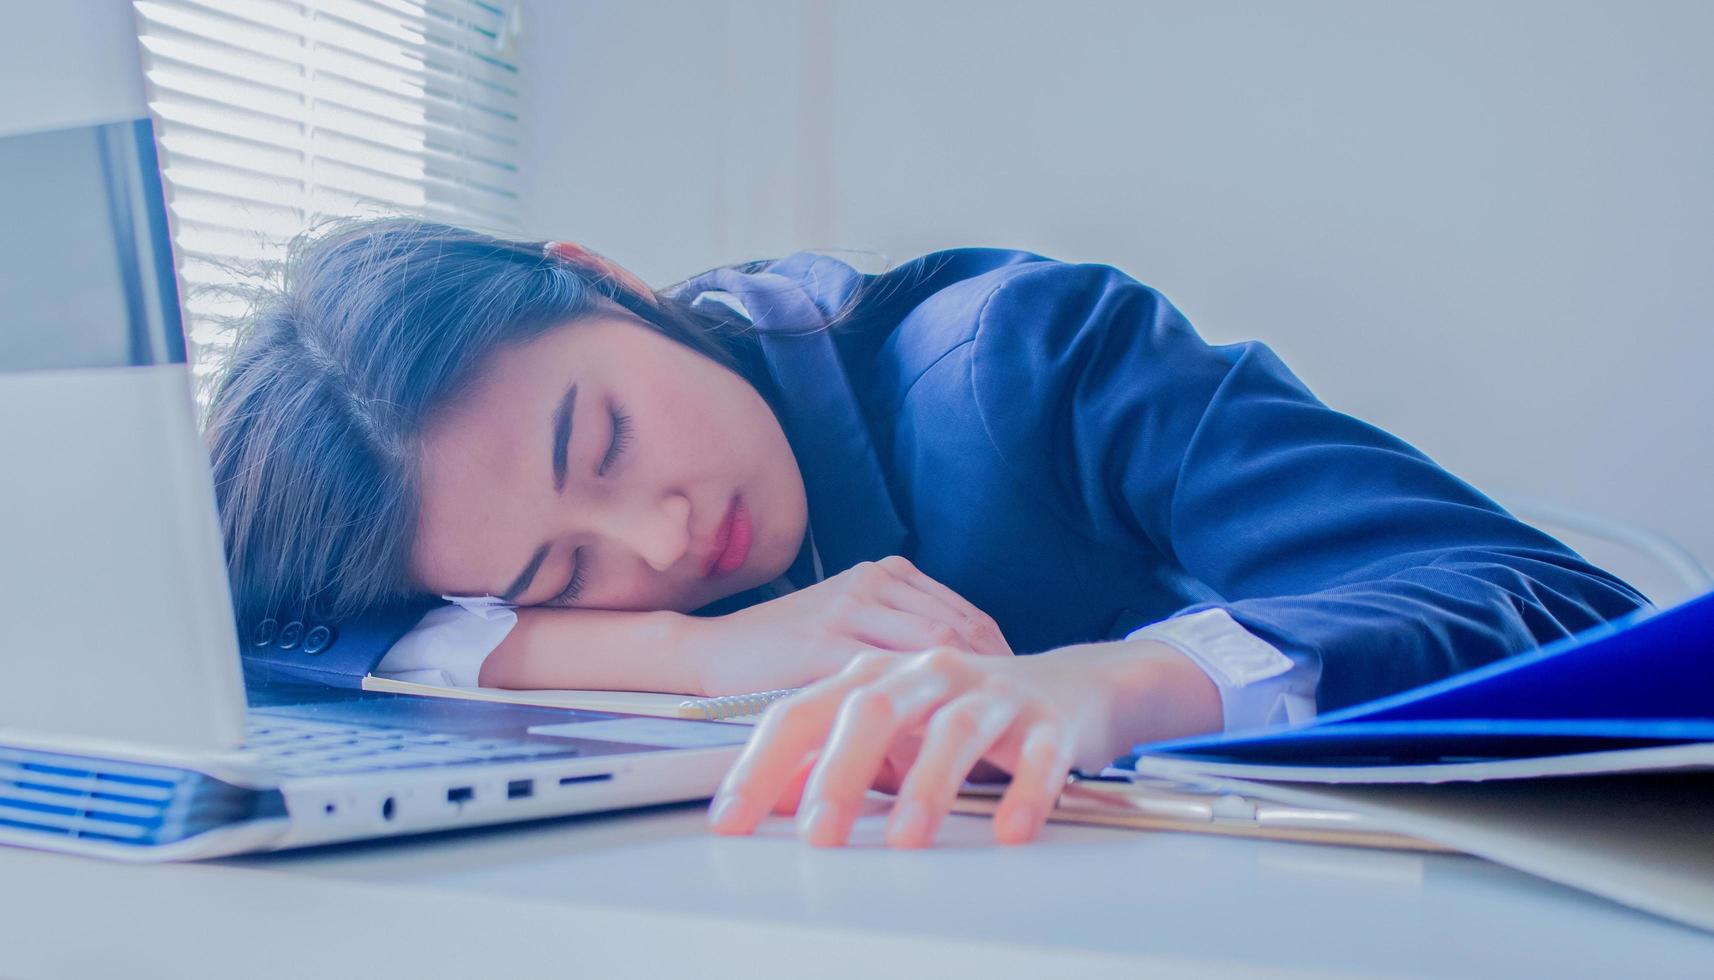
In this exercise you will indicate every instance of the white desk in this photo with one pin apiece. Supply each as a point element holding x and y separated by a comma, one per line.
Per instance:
<point>651,894</point>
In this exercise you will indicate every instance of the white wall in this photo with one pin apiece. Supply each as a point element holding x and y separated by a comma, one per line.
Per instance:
<point>1488,227</point>
<point>68,63</point>
<point>670,134</point>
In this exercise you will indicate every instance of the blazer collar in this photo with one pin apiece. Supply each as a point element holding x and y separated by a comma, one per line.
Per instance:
<point>851,512</point>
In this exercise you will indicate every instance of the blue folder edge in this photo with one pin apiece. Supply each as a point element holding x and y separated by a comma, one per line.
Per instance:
<point>1646,678</point>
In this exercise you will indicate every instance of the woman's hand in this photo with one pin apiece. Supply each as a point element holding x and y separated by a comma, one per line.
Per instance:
<point>810,634</point>
<point>921,723</point>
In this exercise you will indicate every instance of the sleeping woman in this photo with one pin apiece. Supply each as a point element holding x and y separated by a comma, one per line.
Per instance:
<point>514,464</point>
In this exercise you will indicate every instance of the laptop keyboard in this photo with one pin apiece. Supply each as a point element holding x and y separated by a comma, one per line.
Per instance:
<point>297,747</point>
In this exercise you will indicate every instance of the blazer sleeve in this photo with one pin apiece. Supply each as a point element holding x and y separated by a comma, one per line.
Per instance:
<point>1322,534</point>
<point>312,651</point>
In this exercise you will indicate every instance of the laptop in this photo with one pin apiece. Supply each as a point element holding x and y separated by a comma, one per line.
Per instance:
<point>127,728</point>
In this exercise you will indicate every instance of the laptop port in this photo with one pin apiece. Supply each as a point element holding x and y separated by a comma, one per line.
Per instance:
<point>596,778</point>
<point>387,809</point>
<point>517,789</point>
<point>460,794</point>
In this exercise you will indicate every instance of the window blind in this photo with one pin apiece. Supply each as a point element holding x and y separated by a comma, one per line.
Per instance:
<point>274,115</point>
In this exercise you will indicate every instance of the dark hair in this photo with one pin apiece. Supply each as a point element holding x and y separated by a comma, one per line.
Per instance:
<point>315,421</point>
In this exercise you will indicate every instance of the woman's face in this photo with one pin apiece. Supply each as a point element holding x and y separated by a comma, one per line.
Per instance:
<point>603,465</point>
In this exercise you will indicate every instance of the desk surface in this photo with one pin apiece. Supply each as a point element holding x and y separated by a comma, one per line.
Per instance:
<point>651,894</point>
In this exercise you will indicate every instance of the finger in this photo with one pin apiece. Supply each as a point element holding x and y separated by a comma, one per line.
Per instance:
<point>959,734</point>
<point>904,632</point>
<point>990,639</point>
<point>897,762</point>
<point>787,804</point>
<point>897,583</point>
<point>872,716</point>
<point>789,730</point>
<point>1044,761</point>
<point>908,597</point>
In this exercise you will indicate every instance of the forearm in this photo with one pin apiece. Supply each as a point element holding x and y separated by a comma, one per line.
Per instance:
<point>594,649</point>
<point>1259,684</point>
<point>1152,692</point>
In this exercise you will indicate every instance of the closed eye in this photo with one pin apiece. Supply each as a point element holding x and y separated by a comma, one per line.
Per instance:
<point>574,588</point>
<point>620,442</point>
<point>616,445</point>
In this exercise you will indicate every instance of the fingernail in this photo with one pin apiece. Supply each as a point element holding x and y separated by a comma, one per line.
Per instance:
<point>820,824</point>
<point>723,812</point>
<point>909,826</point>
<point>1019,825</point>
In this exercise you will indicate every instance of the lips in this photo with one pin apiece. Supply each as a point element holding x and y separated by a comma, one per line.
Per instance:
<point>731,540</point>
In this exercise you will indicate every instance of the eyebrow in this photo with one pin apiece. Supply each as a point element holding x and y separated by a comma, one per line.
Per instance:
<point>562,435</point>
<point>521,584</point>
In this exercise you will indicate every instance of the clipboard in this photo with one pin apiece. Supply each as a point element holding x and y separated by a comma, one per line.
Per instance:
<point>1143,803</point>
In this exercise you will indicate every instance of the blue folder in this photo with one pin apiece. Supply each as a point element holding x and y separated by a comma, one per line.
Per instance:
<point>1640,682</point>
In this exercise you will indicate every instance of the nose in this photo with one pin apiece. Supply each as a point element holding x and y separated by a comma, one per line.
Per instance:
<point>658,531</point>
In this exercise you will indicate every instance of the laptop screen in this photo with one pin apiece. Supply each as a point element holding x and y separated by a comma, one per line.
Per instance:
<point>87,252</point>
<point>112,584</point>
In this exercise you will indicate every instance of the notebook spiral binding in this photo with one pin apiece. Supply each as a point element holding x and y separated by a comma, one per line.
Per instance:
<point>736,705</point>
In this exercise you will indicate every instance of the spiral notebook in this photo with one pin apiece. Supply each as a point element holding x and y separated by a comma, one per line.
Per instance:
<point>741,708</point>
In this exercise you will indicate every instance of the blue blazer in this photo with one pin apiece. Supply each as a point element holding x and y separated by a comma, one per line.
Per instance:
<point>1055,443</point>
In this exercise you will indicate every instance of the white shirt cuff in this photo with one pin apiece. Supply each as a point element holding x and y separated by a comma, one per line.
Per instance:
<point>1259,685</point>
<point>447,646</point>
